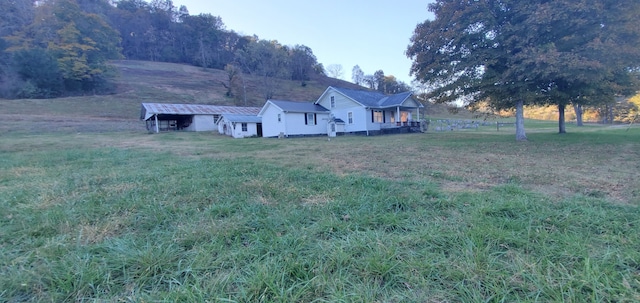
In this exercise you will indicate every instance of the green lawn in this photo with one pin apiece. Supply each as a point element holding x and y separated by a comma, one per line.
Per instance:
<point>438,217</point>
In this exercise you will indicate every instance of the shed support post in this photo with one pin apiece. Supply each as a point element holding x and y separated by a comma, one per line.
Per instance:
<point>157,126</point>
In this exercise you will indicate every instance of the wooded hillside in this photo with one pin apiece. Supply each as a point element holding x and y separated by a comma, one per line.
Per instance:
<point>60,48</point>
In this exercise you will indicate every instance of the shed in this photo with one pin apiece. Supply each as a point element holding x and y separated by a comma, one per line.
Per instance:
<point>240,126</point>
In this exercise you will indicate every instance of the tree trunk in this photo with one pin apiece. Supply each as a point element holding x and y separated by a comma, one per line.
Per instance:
<point>203,55</point>
<point>520,133</point>
<point>561,126</point>
<point>610,113</point>
<point>578,109</point>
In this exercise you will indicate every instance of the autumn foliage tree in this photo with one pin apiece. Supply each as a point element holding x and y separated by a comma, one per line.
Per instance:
<point>79,43</point>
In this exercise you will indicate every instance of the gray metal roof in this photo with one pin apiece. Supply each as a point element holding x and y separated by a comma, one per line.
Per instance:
<point>149,109</point>
<point>374,99</point>
<point>395,100</point>
<point>299,107</point>
<point>243,118</point>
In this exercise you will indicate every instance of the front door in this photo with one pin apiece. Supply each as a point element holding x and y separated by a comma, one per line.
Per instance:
<point>259,130</point>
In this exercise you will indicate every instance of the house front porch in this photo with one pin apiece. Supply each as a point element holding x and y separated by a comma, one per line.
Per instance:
<point>400,124</point>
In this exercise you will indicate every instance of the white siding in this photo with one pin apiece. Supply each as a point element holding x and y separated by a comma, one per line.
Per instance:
<point>341,102</point>
<point>410,102</point>
<point>252,130</point>
<point>221,124</point>
<point>202,123</point>
<point>343,106</point>
<point>296,124</point>
<point>236,130</point>
<point>271,127</point>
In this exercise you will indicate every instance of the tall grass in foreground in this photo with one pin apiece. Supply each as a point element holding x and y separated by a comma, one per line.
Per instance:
<point>122,225</point>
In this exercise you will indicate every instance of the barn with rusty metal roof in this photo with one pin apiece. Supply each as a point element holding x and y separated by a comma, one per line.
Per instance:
<point>189,117</point>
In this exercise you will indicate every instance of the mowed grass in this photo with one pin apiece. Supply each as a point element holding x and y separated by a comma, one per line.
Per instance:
<point>437,217</point>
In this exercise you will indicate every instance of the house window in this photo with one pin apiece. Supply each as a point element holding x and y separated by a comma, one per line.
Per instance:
<point>392,118</point>
<point>404,116</point>
<point>350,117</point>
<point>378,116</point>
<point>244,127</point>
<point>333,102</point>
<point>310,119</point>
<point>279,118</point>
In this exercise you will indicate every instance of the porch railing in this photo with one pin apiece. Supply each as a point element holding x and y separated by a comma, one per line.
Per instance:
<point>400,124</point>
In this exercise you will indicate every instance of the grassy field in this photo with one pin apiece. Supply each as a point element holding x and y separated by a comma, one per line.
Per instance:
<point>437,217</point>
<point>95,209</point>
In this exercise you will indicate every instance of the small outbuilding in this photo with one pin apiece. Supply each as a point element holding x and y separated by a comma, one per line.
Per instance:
<point>240,126</point>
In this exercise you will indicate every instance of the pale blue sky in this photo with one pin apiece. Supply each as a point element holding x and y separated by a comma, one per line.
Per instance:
<point>373,34</point>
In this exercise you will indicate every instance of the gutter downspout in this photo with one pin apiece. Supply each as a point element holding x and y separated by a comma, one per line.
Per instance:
<point>284,123</point>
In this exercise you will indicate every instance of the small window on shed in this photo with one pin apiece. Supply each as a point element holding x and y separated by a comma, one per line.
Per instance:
<point>244,127</point>
<point>279,118</point>
<point>333,102</point>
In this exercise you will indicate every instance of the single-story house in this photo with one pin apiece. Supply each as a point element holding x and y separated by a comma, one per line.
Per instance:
<point>240,126</point>
<point>190,117</point>
<point>371,112</point>
<point>341,110</point>
<point>290,118</point>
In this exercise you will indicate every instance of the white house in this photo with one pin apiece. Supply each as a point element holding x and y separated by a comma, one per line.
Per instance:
<point>189,117</point>
<point>240,126</point>
<point>290,118</point>
<point>371,112</point>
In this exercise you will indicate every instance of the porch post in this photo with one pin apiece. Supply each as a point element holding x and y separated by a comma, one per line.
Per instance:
<point>157,127</point>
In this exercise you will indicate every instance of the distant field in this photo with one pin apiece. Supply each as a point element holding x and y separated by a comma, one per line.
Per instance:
<point>93,208</point>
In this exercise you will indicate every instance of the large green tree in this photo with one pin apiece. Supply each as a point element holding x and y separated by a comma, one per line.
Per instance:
<point>301,63</point>
<point>14,16</point>
<point>267,59</point>
<point>469,53</point>
<point>202,39</point>
<point>513,53</point>
<point>583,50</point>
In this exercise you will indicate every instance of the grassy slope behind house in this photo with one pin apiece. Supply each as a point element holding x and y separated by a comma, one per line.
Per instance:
<point>93,208</point>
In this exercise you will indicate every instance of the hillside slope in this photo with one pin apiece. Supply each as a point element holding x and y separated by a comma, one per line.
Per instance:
<point>144,81</point>
<point>177,83</point>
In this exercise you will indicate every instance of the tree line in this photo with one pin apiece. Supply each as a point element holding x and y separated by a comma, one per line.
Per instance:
<point>515,53</point>
<point>58,48</point>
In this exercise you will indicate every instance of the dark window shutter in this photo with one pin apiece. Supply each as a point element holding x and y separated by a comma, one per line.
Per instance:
<point>315,119</point>
<point>305,119</point>
<point>372,116</point>
<point>384,117</point>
